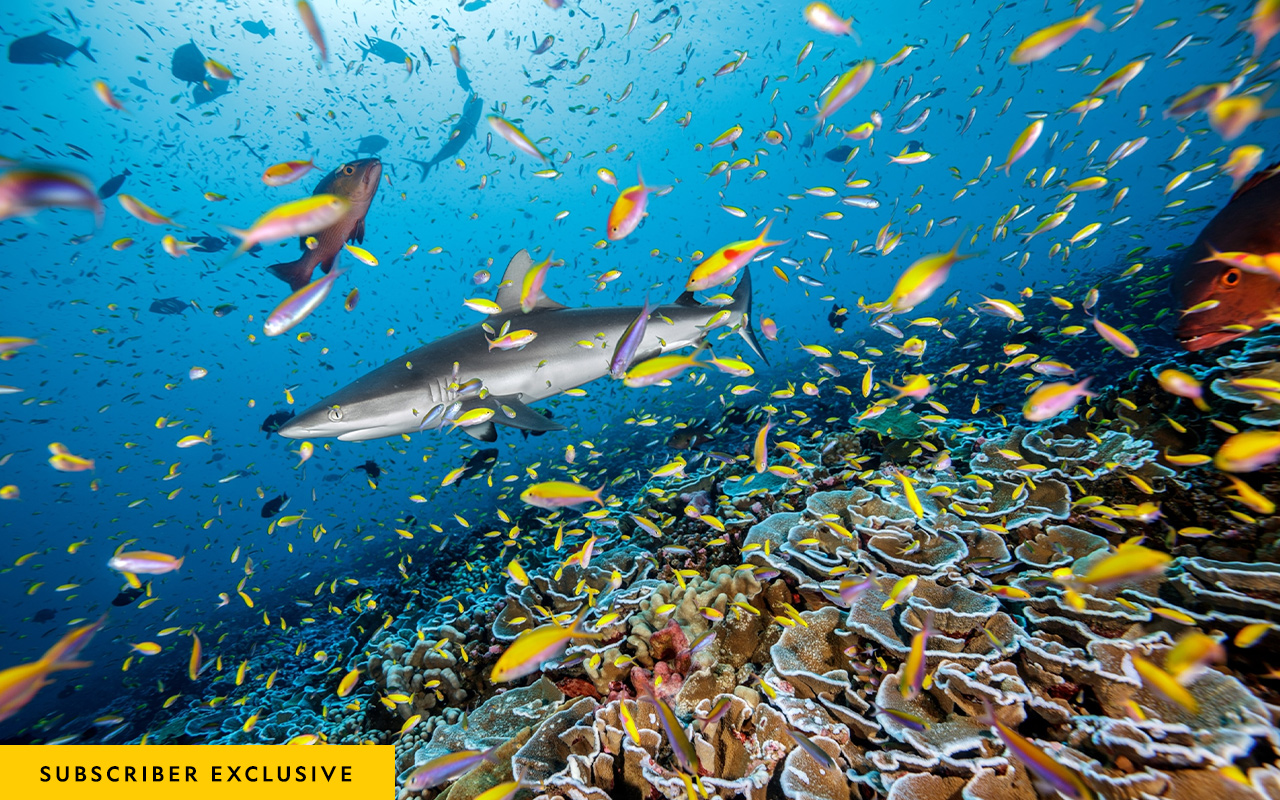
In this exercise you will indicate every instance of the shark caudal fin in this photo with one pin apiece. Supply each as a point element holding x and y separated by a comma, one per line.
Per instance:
<point>295,273</point>
<point>84,48</point>
<point>742,302</point>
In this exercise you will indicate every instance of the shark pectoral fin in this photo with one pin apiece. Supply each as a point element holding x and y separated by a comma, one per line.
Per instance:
<point>513,282</point>
<point>516,414</point>
<point>485,432</point>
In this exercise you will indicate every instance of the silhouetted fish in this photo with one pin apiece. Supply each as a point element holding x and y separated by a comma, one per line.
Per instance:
<point>113,185</point>
<point>371,145</point>
<point>839,154</point>
<point>259,28</point>
<point>127,596</point>
<point>188,65</point>
<point>275,505</point>
<point>389,52</point>
<point>481,462</point>
<point>275,421</point>
<point>44,615</point>
<point>209,244</point>
<point>461,133</point>
<point>837,316</point>
<point>371,469</point>
<point>664,13</point>
<point>45,49</point>
<point>170,305</point>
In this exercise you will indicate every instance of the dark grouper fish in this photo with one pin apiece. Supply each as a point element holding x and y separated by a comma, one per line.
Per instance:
<point>1249,223</point>
<point>357,183</point>
<point>461,373</point>
<point>45,49</point>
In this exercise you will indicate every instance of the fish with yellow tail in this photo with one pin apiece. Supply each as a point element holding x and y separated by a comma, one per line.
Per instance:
<point>18,685</point>
<point>726,262</point>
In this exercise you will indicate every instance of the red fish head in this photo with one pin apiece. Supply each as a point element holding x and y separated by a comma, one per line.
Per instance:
<point>1249,223</point>
<point>1244,298</point>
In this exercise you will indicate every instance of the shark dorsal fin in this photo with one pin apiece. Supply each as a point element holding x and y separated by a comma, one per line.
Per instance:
<point>513,281</point>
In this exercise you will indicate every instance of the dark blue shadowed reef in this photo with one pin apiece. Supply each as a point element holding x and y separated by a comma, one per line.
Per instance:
<point>774,402</point>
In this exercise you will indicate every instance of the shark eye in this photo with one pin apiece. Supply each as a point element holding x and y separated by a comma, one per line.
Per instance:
<point>348,170</point>
<point>335,414</point>
<point>1231,277</point>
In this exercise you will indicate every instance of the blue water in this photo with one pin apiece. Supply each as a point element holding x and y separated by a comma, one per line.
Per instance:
<point>106,368</point>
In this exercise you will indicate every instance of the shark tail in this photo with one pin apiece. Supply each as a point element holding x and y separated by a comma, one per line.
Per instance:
<point>295,273</point>
<point>84,48</point>
<point>425,166</point>
<point>742,302</point>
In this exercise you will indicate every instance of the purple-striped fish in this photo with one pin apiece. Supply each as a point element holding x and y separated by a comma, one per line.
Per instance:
<point>447,767</point>
<point>299,305</point>
<point>1061,777</point>
<point>823,758</point>
<point>24,191</point>
<point>686,756</point>
<point>629,344</point>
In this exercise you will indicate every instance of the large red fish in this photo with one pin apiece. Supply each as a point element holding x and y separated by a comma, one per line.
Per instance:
<point>1248,223</point>
<point>355,182</point>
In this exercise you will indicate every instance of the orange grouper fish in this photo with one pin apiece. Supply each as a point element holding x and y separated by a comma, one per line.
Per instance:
<point>1246,297</point>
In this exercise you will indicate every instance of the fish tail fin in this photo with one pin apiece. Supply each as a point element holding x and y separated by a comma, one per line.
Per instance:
<point>178,563</point>
<point>742,302</point>
<point>1091,19</point>
<point>425,166</point>
<point>295,273</point>
<point>576,627</point>
<point>988,714</point>
<point>764,239</point>
<point>84,48</point>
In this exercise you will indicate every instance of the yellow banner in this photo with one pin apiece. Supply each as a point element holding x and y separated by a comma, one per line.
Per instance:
<point>197,772</point>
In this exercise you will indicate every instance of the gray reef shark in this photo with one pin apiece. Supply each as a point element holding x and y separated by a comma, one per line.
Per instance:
<point>436,384</point>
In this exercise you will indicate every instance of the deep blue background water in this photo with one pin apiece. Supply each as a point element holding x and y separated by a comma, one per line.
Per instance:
<point>97,380</point>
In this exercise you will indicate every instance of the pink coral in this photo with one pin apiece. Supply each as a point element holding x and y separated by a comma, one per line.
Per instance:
<point>668,644</point>
<point>666,689</point>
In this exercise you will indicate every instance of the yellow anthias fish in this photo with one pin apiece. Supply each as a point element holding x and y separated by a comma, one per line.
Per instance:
<point>18,685</point>
<point>629,209</point>
<point>923,278</point>
<point>724,263</point>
